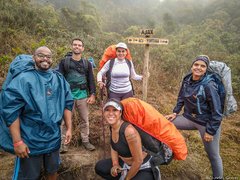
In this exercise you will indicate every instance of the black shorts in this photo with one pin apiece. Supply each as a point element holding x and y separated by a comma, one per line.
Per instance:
<point>30,168</point>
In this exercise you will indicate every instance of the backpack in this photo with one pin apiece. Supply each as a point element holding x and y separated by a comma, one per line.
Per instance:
<point>79,69</point>
<point>110,53</point>
<point>224,72</point>
<point>159,136</point>
<point>91,60</point>
<point>198,91</point>
<point>160,152</point>
<point>67,60</point>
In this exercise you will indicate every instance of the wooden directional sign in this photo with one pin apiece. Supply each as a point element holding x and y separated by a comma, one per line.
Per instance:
<point>147,41</point>
<point>157,41</point>
<point>146,32</point>
<point>137,40</point>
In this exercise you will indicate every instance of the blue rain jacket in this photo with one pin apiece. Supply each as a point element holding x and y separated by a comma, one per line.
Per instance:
<point>38,99</point>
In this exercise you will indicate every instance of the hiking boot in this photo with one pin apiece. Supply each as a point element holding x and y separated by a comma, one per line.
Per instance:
<point>89,146</point>
<point>63,149</point>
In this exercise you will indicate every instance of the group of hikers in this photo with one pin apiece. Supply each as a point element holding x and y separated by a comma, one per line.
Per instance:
<point>36,100</point>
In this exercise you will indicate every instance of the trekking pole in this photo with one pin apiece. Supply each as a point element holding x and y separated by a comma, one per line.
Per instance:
<point>103,127</point>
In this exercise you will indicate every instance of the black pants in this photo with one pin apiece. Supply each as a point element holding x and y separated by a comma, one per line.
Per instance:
<point>103,168</point>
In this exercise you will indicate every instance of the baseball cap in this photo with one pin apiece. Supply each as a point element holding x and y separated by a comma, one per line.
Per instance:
<point>121,45</point>
<point>114,104</point>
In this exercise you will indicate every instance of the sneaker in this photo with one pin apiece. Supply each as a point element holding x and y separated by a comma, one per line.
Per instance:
<point>89,146</point>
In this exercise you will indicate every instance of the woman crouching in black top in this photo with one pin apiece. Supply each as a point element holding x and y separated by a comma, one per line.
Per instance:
<point>128,160</point>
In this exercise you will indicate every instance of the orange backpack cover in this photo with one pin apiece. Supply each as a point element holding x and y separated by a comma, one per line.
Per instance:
<point>147,118</point>
<point>110,53</point>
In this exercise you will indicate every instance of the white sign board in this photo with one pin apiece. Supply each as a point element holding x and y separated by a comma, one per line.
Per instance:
<point>147,41</point>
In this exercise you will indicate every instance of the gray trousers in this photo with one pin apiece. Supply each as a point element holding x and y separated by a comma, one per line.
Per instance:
<point>81,106</point>
<point>211,148</point>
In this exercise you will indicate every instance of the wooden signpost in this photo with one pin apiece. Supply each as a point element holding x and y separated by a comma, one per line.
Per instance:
<point>147,41</point>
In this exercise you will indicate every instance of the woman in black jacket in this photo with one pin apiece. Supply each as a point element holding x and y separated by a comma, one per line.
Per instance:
<point>202,110</point>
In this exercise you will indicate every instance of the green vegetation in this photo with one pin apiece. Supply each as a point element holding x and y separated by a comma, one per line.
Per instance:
<point>193,27</point>
<point>203,27</point>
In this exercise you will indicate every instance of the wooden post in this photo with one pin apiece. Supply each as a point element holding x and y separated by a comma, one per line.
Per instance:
<point>145,71</point>
<point>147,41</point>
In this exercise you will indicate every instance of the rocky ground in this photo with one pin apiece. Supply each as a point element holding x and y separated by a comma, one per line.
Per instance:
<point>77,163</point>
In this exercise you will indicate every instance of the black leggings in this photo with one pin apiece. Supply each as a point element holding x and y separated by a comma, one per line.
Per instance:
<point>103,168</point>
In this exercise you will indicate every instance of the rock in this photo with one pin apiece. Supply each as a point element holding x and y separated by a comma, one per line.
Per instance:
<point>78,164</point>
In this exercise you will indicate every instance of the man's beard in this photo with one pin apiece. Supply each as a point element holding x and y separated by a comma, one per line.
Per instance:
<point>43,65</point>
<point>77,53</point>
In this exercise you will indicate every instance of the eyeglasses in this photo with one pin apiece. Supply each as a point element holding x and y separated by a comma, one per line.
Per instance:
<point>119,51</point>
<point>42,56</point>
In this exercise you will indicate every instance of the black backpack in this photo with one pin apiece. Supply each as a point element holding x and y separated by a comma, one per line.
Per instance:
<point>67,60</point>
<point>160,152</point>
<point>81,70</point>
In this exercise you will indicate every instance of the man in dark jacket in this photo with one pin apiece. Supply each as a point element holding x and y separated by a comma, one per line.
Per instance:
<point>79,74</point>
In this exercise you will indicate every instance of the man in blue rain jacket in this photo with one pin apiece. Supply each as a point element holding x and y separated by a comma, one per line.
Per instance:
<point>33,104</point>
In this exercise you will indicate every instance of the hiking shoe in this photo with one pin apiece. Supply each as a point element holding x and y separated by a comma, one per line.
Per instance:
<point>63,149</point>
<point>89,146</point>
